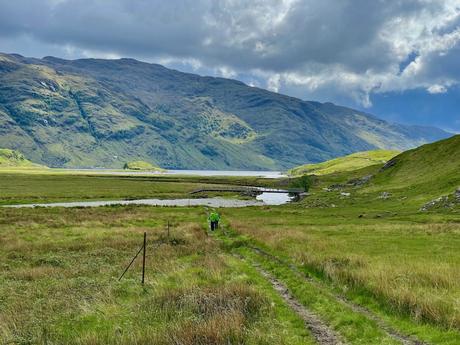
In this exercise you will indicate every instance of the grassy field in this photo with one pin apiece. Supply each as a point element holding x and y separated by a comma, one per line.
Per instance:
<point>59,282</point>
<point>19,186</point>
<point>404,267</point>
<point>371,269</point>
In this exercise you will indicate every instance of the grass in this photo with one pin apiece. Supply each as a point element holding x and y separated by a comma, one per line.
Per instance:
<point>142,166</point>
<point>37,186</point>
<point>379,253</point>
<point>347,163</point>
<point>11,158</point>
<point>59,271</point>
<point>408,268</point>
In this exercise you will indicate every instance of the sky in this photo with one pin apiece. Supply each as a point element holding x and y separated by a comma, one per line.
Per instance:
<point>397,59</point>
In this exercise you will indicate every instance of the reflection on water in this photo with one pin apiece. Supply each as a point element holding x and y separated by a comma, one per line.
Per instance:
<point>274,198</point>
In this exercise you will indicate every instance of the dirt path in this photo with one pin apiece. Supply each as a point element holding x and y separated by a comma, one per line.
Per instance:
<point>404,339</point>
<point>320,331</point>
<point>323,334</point>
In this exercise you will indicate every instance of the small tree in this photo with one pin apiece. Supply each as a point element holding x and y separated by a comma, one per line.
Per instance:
<point>303,182</point>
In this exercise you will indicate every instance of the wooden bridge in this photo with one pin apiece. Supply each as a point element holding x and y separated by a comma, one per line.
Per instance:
<point>249,190</point>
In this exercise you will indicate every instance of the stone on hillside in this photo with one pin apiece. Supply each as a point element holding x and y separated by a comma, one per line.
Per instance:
<point>384,195</point>
<point>345,194</point>
<point>360,180</point>
<point>336,186</point>
<point>447,201</point>
<point>389,164</point>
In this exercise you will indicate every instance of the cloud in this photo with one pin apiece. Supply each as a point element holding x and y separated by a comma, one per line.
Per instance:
<point>308,48</point>
<point>436,88</point>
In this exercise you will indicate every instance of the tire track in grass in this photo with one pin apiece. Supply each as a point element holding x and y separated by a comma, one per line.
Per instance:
<point>390,331</point>
<point>323,334</point>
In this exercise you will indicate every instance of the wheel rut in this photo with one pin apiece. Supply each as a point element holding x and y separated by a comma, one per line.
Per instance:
<point>390,331</point>
<point>322,333</point>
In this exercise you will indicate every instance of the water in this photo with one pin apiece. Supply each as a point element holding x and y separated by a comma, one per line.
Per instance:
<point>212,202</point>
<point>240,173</point>
<point>262,200</point>
<point>274,198</point>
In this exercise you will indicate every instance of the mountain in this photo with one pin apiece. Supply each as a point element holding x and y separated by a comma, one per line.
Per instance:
<point>103,113</point>
<point>351,162</point>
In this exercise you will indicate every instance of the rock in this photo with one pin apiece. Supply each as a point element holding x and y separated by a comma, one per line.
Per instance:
<point>389,164</point>
<point>333,205</point>
<point>345,194</point>
<point>327,189</point>
<point>442,200</point>
<point>457,194</point>
<point>337,186</point>
<point>384,195</point>
<point>359,181</point>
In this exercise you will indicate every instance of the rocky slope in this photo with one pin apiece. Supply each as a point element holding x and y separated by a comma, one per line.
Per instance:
<point>103,113</point>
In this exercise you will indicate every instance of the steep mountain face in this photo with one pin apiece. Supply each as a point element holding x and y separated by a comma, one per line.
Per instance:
<point>103,113</point>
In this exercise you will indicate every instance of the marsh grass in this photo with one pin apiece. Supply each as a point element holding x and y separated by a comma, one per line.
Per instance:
<point>59,283</point>
<point>411,268</point>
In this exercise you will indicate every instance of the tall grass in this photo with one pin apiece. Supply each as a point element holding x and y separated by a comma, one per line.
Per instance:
<point>59,283</point>
<point>411,268</point>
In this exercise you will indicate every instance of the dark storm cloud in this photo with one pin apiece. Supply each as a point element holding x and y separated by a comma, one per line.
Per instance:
<point>350,46</point>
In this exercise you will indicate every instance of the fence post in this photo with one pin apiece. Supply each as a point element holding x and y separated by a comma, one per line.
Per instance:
<point>168,231</point>
<point>143,259</point>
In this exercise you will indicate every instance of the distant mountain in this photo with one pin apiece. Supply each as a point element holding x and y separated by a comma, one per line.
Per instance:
<point>103,113</point>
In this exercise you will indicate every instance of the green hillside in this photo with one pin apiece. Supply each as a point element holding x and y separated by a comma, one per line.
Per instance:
<point>11,158</point>
<point>348,163</point>
<point>431,168</point>
<point>142,166</point>
<point>104,113</point>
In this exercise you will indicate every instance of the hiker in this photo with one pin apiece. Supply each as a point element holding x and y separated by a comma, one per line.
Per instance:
<point>214,218</point>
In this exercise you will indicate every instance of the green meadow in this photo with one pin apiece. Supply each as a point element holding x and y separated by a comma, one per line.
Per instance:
<point>360,261</point>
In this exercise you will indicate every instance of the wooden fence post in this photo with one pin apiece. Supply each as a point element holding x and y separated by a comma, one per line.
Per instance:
<point>143,259</point>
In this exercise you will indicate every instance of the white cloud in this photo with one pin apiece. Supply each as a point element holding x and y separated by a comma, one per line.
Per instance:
<point>226,72</point>
<point>273,82</point>
<point>436,88</point>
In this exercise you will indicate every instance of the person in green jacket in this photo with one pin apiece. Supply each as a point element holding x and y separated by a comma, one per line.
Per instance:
<point>214,218</point>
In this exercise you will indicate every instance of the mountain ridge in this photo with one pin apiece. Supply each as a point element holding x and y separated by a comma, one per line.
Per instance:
<point>95,112</point>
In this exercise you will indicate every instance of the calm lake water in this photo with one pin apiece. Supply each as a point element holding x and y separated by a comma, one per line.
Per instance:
<point>266,174</point>
<point>242,173</point>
